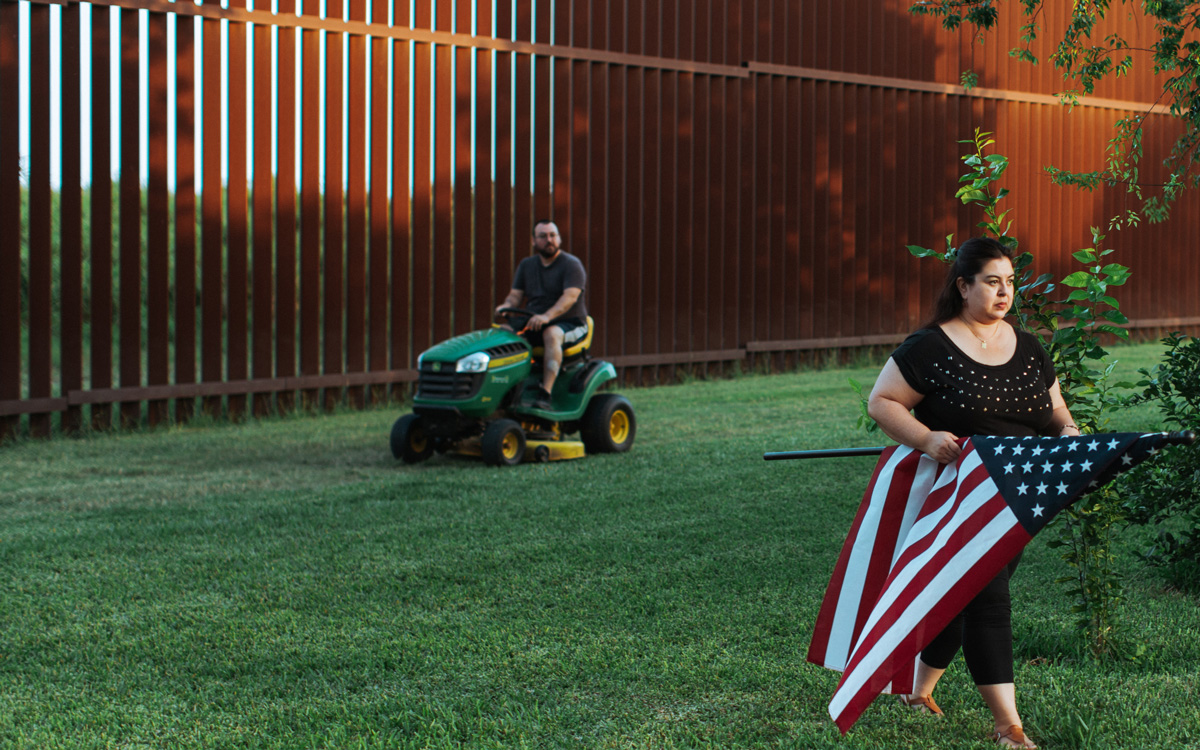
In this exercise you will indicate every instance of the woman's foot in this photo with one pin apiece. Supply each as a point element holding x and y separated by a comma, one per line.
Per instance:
<point>1014,736</point>
<point>921,704</point>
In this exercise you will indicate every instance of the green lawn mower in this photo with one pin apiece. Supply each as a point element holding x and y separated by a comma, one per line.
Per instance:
<point>474,395</point>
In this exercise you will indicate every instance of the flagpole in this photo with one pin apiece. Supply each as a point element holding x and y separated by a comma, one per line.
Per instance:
<point>1184,437</point>
<point>828,453</point>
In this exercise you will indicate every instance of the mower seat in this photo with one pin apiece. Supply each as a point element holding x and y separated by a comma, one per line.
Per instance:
<point>572,351</point>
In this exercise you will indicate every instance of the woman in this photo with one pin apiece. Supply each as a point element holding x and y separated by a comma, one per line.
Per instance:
<point>968,372</point>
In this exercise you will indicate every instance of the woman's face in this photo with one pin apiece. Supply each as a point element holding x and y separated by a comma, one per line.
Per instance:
<point>991,295</point>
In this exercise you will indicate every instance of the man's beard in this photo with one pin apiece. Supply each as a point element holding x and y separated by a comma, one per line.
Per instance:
<point>549,251</point>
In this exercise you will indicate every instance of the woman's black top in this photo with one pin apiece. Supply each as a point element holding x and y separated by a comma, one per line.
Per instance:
<point>966,398</point>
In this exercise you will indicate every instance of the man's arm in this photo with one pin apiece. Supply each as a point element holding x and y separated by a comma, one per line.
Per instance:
<point>564,303</point>
<point>514,299</point>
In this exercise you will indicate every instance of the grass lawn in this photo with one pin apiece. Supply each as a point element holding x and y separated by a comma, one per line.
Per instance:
<point>286,584</point>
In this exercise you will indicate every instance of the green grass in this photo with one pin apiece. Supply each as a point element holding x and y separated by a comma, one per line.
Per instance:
<point>285,583</point>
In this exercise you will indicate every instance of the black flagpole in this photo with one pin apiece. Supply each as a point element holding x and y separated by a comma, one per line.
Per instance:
<point>1186,437</point>
<point>829,453</point>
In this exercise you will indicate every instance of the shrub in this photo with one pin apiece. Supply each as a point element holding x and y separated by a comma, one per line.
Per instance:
<point>1166,493</point>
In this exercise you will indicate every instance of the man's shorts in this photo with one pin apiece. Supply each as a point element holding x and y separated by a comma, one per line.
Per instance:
<point>574,330</point>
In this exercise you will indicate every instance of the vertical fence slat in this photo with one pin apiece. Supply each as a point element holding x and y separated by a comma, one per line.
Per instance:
<point>600,253</point>
<point>504,258</point>
<point>377,166</point>
<point>846,151</point>
<point>237,222</point>
<point>262,282</point>
<point>185,210</point>
<point>211,216</point>
<point>422,201</point>
<point>101,217</point>
<point>285,209</point>
<point>671,245</point>
<point>10,218</point>
<point>356,205</point>
<point>563,141</point>
<point>401,237</point>
<point>443,251</point>
<point>522,150</point>
<point>686,215</point>
<point>542,15</point>
<point>794,281</point>
<point>884,232</point>
<point>158,225</point>
<point>130,223</point>
<point>809,174</point>
<point>310,204</point>
<point>619,145</point>
<point>780,265</point>
<point>464,251</point>
<point>486,270</point>
<point>577,122</point>
<point>740,139</point>
<point>822,255</point>
<point>333,268</point>
<point>863,211</point>
<point>39,307</point>
<point>543,100</point>
<point>654,211</point>
<point>633,278</point>
<point>71,221</point>
<point>700,225</point>
<point>761,229</point>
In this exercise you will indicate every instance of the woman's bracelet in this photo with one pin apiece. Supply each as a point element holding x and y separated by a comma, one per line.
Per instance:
<point>1068,424</point>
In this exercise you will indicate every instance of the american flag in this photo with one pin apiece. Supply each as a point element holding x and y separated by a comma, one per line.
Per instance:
<point>928,537</point>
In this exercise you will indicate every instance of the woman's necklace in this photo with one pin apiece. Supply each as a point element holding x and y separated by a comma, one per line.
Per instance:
<point>982,341</point>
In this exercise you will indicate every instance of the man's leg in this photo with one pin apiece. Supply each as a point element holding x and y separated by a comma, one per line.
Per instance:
<point>552,341</point>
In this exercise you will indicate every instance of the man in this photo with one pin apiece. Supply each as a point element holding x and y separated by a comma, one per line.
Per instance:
<point>550,284</point>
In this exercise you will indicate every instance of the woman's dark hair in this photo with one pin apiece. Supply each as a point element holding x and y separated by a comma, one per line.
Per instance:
<point>969,260</point>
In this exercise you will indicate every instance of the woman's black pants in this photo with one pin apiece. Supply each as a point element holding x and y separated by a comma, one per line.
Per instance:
<point>984,632</point>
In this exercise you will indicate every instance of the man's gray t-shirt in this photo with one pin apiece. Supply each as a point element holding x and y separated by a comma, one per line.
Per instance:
<point>543,285</point>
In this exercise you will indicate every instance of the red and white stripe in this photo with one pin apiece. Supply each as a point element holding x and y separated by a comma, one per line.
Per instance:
<point>943,533</point>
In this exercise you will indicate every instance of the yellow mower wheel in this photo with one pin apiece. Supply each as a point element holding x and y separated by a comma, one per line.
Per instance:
<point>608,425</point>
<point>503,443</point>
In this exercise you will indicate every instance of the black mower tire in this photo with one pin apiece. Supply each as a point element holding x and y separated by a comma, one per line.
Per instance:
<point>410,442</point>
<point>503,443</point>
<point>608,424</point>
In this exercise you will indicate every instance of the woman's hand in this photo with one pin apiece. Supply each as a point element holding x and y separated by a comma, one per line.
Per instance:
<point>941,447</point>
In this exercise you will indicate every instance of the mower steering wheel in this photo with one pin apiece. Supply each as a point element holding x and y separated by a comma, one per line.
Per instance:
<point>508,311</point>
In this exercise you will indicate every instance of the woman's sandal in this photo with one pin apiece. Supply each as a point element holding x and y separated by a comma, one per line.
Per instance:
<point>922,704</point>
<point>1013,737</point>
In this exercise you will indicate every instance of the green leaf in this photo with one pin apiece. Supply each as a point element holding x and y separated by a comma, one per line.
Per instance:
<point>1084,256</point>
<point>1117,273</point>
<point>1077,279</point>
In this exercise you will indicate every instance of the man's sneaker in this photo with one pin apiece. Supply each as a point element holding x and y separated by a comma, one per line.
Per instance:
<point>541,399</point>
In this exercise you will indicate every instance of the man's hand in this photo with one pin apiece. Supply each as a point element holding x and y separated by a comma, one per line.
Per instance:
<point>537,322</point>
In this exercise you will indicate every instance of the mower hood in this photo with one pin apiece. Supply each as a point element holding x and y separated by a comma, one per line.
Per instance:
<point>486,340</point>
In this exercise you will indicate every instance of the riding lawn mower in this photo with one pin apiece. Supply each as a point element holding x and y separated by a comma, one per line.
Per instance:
<point>474,397</point>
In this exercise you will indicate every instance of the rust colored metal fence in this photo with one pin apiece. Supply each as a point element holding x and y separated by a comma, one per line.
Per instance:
<point>305,198</point>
